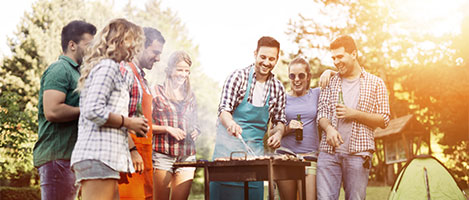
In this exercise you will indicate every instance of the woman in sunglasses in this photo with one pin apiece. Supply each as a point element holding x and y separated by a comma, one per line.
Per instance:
<point>301,101</point>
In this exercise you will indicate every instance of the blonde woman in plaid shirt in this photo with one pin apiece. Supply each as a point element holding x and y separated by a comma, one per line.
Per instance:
<point>347,141</point>
<point>101,150</point>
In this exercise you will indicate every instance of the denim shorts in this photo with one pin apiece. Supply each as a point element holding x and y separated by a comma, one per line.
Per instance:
<point>312,157</point>
<point>165,162</point>
<point>93,169</point>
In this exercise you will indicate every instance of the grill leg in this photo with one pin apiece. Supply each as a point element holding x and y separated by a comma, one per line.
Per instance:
<point>207,184</point>
<point>271,179</point>
<point>246,190</point>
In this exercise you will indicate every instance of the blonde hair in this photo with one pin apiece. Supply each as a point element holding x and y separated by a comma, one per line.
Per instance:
<point>120,40</point>
<point>175,58</point>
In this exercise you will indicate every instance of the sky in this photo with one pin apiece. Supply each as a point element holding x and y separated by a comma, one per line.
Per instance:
<point>235,27</point>
<point>11,13</point>
<point>227,31</point>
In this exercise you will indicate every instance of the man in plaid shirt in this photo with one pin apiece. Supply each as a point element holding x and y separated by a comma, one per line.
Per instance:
<point>140,184</point>
<point>250,98</point>
<point>354,103</point>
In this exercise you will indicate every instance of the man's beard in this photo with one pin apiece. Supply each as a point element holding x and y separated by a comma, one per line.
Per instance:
<point>80,61</point>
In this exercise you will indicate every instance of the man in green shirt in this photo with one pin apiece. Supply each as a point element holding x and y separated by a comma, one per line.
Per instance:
<point>58,114</point>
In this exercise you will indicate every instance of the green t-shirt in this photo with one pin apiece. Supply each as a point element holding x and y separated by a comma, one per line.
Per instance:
<point>56,140</point>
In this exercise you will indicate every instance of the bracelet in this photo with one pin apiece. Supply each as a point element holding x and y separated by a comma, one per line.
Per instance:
<point>122,123</point>
<point>133,148</point>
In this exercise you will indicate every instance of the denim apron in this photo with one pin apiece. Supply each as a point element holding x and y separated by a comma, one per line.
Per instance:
<point>253,120</point>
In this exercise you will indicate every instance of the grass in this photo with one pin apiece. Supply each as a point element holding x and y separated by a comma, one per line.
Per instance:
<point>372,193</point>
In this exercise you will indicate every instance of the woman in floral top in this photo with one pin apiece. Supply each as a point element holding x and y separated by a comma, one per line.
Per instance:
<point>175,130</point>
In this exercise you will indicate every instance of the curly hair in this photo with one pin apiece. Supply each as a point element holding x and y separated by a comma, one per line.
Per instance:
<point>120,40</point>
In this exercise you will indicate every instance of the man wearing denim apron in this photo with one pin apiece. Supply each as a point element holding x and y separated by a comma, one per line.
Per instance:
<point>250,98</point>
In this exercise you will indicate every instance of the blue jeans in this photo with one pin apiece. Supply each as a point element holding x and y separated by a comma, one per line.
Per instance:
<point>57,181</point>
<point>333,169</point>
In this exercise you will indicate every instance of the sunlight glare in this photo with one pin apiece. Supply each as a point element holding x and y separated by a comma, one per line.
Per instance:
<point>435,17</point>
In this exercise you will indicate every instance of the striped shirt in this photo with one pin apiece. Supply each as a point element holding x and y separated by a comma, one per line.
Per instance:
<point>105,91</point>
<point>373,99</point>
<point>181,115</point>
<point>235,88</point>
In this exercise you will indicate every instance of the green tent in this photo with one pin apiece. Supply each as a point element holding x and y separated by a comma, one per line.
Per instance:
<point>424,177</point>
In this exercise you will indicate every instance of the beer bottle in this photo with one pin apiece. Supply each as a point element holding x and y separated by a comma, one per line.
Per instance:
<point>341,98</point>
<point>299,132</point>
<point>139,113</point>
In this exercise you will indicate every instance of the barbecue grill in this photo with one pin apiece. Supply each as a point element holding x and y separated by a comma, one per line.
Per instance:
<point>261,168</point>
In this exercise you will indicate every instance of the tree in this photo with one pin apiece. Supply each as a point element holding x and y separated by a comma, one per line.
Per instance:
<point>16,140</point>
<point>418,68</point>
<point>36,44</point>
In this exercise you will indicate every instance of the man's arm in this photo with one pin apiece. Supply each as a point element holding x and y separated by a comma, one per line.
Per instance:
<point>278,119</point>
<point>55,109</point>
<point>372,120</point>
<point>277,134</point>
<point>381,112</point>
<point>228,122</point>
<point>137,159</point>
<point>230,91</point>
<point>333,137</point>
<point>325,78</point>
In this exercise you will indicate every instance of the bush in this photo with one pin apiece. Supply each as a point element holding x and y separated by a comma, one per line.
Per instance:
<point>18,129</point>
<point>19,193</point>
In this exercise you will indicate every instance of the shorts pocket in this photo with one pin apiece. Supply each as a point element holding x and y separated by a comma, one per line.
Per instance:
<point>82,166</point>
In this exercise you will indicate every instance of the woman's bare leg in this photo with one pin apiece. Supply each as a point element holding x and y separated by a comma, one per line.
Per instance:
<point>287,189</point>
<point>181,184</point>
<point>161,184</point>
<point>99,189</point>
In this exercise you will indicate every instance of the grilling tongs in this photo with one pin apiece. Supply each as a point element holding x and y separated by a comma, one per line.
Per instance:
<point>246,145</point>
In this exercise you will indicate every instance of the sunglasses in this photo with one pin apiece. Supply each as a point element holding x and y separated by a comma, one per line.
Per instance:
<point>300,76</point>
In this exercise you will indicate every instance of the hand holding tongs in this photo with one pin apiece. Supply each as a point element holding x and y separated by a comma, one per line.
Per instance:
<point>245,145</point>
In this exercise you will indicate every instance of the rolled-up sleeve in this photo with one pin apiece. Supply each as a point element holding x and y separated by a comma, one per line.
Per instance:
<point>278,114</point>
<point>230,92</point>
<point>382,102</point>
<point>100,83</point>
<point>323,111</point>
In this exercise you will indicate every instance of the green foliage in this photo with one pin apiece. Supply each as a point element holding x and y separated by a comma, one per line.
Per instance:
<point>429,82</point>
<point>36,44</point>
<point>459,160</point>
<point>17,128</point>
<point>15,193</point>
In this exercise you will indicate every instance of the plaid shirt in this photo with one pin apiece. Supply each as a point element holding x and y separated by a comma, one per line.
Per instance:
<point>235,87</point>
<point>135,91</point>
<point>373,99</point>
<point>106,91</point>
<point>169,113</point>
